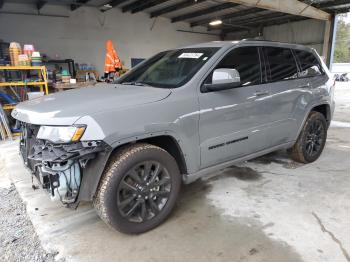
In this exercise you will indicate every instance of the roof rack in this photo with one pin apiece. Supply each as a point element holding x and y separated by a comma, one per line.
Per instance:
<point>271,41</point>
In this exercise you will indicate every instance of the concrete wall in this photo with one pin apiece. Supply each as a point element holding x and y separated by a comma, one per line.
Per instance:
<point>82,36</point>
<point>308,32</point>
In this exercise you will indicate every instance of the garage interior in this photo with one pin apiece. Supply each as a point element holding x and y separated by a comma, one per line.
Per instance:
<point>80,30</point>
<point>267,209</point>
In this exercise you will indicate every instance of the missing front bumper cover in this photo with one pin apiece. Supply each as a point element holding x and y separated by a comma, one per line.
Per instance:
<point>60,167</point>
<point>45,151</point>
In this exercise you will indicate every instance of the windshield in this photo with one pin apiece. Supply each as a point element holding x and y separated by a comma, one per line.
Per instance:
<point>169,69</point>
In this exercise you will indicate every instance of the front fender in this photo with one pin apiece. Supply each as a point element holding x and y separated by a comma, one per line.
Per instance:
<point>166,117</point>
<point>131,124</point>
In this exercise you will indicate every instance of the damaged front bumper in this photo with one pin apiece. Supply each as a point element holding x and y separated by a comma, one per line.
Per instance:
<point>60,168</point>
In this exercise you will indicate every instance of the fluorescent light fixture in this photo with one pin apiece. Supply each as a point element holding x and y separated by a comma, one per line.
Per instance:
<point>105,7</point>
<point>215,22</point>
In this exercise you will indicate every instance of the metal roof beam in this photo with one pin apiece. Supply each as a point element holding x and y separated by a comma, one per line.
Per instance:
<point>133,5</point>
<point>40,4</point>
<point>115,2</point>
<point>293,7</point>
<point>270,19</point>
<point>286,20</point>
<point>246,22</point>
<point>334,4</point>
<point>342,10</point>
<point>263,18</point>
<point>108,6</point>
<point>203,12</point>
<point>234,15</point>
<point>175,7</point>
<point>78,4</point>
<point>212,28</point>
<point>148,4</point>
<point>269,23</point>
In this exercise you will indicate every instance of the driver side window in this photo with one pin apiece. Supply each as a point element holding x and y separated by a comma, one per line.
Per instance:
<point>246,61</point>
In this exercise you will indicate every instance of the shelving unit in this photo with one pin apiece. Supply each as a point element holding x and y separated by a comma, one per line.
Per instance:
<point>8,107</point>
<point>43,83</point>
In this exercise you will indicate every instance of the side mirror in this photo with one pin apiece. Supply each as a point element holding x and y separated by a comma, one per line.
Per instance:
<point>223,79</point>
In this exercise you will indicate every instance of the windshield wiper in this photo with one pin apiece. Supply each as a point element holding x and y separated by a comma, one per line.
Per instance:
<point>135,83</point>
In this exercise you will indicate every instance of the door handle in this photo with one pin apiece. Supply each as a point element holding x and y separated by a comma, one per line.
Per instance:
<point>261,93</point>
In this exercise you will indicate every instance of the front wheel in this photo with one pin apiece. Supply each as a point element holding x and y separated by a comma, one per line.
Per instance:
<point>311,140</point>
<point>138,189</point>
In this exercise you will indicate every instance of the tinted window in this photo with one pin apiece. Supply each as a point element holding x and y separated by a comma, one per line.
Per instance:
<point>246,61</point>
<point>280,63</point>
<point>308,63</point>
<point>169,69</point>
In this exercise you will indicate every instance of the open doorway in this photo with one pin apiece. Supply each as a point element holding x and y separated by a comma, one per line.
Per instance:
<point>340,66</point>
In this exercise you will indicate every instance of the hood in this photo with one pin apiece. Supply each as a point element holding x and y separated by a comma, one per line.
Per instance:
<point>65,108</point>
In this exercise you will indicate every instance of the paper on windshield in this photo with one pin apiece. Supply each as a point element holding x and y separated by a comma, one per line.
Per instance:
<point>190,55</point>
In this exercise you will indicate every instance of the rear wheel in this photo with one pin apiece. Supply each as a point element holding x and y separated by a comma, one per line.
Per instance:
<point>311,140</point>
<point>138,189</point>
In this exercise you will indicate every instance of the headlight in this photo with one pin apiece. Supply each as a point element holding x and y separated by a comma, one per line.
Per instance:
<point>61,134</point>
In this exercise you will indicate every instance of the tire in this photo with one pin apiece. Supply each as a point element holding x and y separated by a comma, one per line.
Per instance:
<point>313,136</point>
<point>125,201</point>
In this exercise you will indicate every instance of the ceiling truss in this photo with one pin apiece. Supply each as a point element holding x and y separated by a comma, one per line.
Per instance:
<point>236,15</point>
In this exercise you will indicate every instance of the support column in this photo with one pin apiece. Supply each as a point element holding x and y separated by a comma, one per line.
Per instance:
<point>326,40</point>
<point>333,37</point>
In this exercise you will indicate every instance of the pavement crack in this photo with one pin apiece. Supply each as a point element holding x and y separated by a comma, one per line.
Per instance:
<point>273,173</point>
<point>264,183</point>
<point>334,238</point>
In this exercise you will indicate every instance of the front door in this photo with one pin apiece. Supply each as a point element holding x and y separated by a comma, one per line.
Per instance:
<point>233,122</point>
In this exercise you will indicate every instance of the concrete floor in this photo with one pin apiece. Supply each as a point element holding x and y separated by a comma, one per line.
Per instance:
<point>269,209</point>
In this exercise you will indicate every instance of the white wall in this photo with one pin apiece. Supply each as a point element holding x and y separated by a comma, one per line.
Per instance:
<point>82,36</point>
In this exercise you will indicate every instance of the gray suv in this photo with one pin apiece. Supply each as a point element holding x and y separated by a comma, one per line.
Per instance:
<point>174,118</point>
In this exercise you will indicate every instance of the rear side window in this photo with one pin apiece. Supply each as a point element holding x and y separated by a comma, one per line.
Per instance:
<point>246,61</point>
<point>309,64</point>
<point>281,64</point>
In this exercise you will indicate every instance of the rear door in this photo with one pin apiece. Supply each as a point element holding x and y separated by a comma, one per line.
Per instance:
<point>282,77</point>
<point>233,122</point>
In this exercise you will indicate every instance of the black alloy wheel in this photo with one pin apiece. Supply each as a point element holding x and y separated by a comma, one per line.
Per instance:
<point>314,138</point>
<point>143,191</point>
<point>138,189</point>
<point>311,140</point>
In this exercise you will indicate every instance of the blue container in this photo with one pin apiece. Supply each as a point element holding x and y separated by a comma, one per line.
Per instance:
<point>37,63</point>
